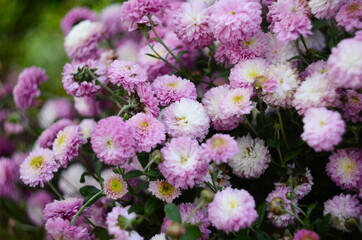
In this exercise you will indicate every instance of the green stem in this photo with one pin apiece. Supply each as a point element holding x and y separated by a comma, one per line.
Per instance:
<point>125,108</point>
<point>260,101</point>
<point>202,203</point>
<point>85,205</point>
<point>295,216</point>
<point>282,127</point>
<point>300,52</point>
<point>250,126</point>
<point>55,190</point>
<point>149,165</point>
<point>88,169</point>
<point>213,177</point>
<point>304,44</point>
<point>299,209</point>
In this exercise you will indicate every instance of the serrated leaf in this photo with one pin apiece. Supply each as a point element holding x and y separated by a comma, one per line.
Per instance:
<point>274,142</point>
<point>192,232</point>
<point>86,190</point>
<point>290,155</point>
<point>136,208</point>
<point>172,212</point>
<point>150,206</point>
<point>132,174</point>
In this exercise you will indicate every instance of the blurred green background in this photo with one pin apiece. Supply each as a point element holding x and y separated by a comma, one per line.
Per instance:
<point>30,34</point>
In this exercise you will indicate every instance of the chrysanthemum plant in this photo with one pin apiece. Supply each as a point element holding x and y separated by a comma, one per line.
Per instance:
<point>227,119</point>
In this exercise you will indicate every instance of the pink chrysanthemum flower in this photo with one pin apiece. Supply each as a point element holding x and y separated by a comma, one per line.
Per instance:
<point>353,106</point>
<point>35,205</point>
<point>316,91</point>
<point>318,66</point>
<point>234,20</point>
<point>87,106</point>
<point>325,9</point>
<point>278,51</point>
<point>115,187</point>
<point>127,49</point>
<point>87,126</point>
<point>135,12</point>
<point>115,228</point>
<point>349,16</point>
<point>252,159</point>
<point>75,16</point>
<point>82,41</point>
<point>147,131</point>
<point>164,191</point>
<point>211,102</point>
<point>289,18</point>
<point>38,167</point>
<point>26,89</point>
<point>48,136</point>
<point>230,53</point>
<point>220,148</point>
<point>345,64</point>
<point>323,129</point>
<point>244,74</point>
<point>54,109</point>
<point>127,74</point>
<point>113,141</point>
<point>276,216</point>
<point>14,124</point>
<point>199,218</point>
<point>8,175</point>
<point>342,207</point>
<point>236,102</point>
<point>287,82</point>
<point>64,209</point>
<point>67,143</point>
<point>304,234</point>
<point>304,185</point>
<point>232,210</point>
<point>148,100</point>
<point>183,162</point>
<point>191,24</point>
<point>77,81</point>
<point>345,168</point>
<point>110,16</point>
<point>60,229</point>
<point>186,118</point>
<point>170,88</point>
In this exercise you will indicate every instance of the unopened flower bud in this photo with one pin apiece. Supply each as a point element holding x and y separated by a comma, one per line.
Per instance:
<point>350,223</point>
<point>291,195</point>
<point>207,195</point>
<point>157,156</point>
<point>175,230</point>
<point>277,206</point>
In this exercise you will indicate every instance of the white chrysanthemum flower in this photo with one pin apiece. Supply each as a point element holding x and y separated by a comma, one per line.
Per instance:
<point>325,9</point>
<point>252,159</point>
<point>237,102</point>
<point>160,236</point>
<point>316,91</point>
<point>186,118</point>
<point>87,126</point>
<point>287,81</point>
<point>278,51</point>
<point>316,41</point>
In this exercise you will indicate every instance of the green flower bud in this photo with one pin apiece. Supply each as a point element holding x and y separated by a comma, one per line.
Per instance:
<point>207,195</point>
<point>175,230</point>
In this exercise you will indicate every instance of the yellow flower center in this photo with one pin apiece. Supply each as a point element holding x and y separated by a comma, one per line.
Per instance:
<point>144,124</point>
<point>348,166</point>
<point>116,185</point>
<point>181,119</point>
<point>232,203</point>
<point>173,84</point>
<point>322,123</point>
<point>232,13</point>
<point>353,8</point>
<point>109,143</point>
<point>216,143</point>
<point>165,189</point>
<point>184,159</point>
<point>238,99</point>
<point>249,42</point>
<point>61,140</point>
<point>36,162</point>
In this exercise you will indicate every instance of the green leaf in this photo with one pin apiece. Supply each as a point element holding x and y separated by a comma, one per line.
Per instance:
<point>274,142</point>
<point>98,166</point>
<point>172,212</point>
<point>119,171</point>
<point>153,173</point>
<point>86,190</point>
<point>82,177</point>
<point>89,196</point>
<point>317,24</point>
<point>151,55</point>
<point>136,208</point>
<point>150,206</point>
<point>142,185</point>
<point>261,212</point>
<point>101,233</point>
<point>179,54</point>
<point>290,155</point>
<point>192,232</point>
<point>297,143</point>
<point>323,225</point>
<point>261,235</point>
<point>132,174</point>
<point>143,158</point>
